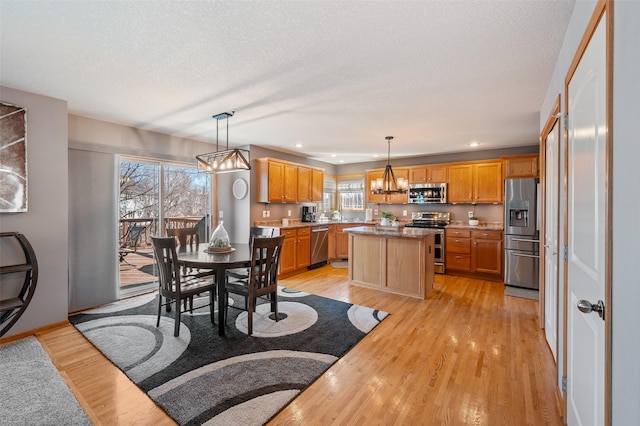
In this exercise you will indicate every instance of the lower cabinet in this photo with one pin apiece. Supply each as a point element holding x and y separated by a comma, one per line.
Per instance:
<point>338,242</point>
<point>296,250</point>
<point>342,241</point>
<point>475,253</point>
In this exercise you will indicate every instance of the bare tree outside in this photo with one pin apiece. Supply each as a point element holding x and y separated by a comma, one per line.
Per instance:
<point>185,193</point>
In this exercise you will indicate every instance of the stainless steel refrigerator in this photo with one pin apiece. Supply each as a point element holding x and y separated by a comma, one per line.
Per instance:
<point>521,233</point>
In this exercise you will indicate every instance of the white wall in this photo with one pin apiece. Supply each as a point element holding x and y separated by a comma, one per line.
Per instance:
<point>626,196</point>
<point>45,224</point>
<point>626,205</point>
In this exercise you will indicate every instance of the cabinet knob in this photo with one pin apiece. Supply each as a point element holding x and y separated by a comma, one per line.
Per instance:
<point>458,257</point>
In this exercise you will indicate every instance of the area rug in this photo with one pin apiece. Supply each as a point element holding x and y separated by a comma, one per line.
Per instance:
<point>524,293</point>
<point>202,378</point>
<point>340,264</point>
<point>32,392</point>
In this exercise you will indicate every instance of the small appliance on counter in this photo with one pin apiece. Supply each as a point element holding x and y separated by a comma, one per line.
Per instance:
<point>308,213</point>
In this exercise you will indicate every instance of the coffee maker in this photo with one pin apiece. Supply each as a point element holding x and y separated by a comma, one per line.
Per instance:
<point>308,213</point>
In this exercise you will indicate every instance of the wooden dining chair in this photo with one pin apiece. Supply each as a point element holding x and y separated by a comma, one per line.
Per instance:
<point>255,232</point>
<point>174,286</point>
<point>262,279</point>
<point>187,237</point>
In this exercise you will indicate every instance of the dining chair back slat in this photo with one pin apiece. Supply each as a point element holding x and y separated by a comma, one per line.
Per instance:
<point>262,278</point>
<point>187,237</point>
<point>173,285</point>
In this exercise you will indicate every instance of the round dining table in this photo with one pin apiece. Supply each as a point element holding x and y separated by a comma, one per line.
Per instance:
<point>238,257</point>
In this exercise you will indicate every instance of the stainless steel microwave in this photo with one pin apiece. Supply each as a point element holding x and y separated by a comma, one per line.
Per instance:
<point>428,193</point>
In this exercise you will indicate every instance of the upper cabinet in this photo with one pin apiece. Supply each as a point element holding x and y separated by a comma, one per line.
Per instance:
<point>475,182</point>
<point>436,173</point>
<point>304,184</point>
<point>520,166</point>
<point>282,182</point>
<point>317,185</point>
<point>372,175</point>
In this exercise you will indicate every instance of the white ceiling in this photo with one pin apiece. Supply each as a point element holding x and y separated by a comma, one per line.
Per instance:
<point>336,77</point>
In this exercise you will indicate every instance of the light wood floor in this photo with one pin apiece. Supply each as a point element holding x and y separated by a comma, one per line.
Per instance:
<point>466,355</point>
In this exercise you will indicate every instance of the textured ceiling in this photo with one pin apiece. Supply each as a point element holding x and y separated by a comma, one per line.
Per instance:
<point>336,77</point>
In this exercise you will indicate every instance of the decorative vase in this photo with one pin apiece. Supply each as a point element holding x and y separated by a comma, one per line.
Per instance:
<point>219,238</point>
<point>384,221</point>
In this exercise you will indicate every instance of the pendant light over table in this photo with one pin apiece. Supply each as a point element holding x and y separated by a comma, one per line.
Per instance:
<point>229,160</point>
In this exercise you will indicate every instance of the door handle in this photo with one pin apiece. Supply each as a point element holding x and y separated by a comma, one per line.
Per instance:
<point>587,307</point>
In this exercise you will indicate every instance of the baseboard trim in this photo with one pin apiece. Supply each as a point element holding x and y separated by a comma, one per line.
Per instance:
<point>34,331</point>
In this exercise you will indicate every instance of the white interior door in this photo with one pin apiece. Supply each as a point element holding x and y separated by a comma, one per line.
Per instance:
<point>552,181</point>
<point>586,233</point>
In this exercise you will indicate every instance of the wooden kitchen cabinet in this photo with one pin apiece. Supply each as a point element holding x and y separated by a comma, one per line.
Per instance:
<point>476,253</point>
<point>458,250</point>
<point>460,188</point>
<point>304,184</point>
<point>277,182</point>
<point>342,241</point>
<point>288,256</point>
<point>317,185</point>
<point>486,252</point>
<point>520,166</point>
<point>303,248</point>
<point>372,175</point>
<point>283,182</point>
<point>487,181</point>
<point>296,250</point>
<point>475,183</point>
<point>436,173</point>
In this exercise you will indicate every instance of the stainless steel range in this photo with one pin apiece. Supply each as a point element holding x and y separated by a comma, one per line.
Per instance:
<point>438,221</point>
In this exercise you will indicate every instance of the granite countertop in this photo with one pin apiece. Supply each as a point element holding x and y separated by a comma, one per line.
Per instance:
<point>398,231</point>
<point>298,223</point>
<point>485,226</point>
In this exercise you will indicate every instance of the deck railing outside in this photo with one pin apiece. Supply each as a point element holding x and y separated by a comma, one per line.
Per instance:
<point>151,225</point>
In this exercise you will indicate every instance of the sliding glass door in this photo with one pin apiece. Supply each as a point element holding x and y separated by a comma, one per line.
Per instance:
<point>155,196</point>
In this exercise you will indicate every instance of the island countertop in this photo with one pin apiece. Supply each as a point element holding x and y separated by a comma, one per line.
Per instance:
<point>392,231</point>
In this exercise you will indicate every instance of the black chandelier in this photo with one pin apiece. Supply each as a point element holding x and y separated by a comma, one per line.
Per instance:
<point>229,160</point>
<point>388,184</point>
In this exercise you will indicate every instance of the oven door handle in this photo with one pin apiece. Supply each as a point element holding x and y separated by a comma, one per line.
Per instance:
<point>535,256</point>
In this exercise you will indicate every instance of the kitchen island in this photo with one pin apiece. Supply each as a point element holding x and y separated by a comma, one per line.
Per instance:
<point>392,259</point>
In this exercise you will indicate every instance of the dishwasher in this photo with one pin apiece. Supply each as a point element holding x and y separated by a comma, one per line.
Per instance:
<point>319,246</point>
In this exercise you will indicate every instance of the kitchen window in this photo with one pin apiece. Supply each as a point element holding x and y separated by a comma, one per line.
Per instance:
<point>351,193</point>
<point>328,194</point>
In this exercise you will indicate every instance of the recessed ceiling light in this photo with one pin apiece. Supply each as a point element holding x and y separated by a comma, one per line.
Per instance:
<point>474,144</point>
<point>342,161</point>
<point>298,145</point>
<point>376,155</point>
<point>333,155</point>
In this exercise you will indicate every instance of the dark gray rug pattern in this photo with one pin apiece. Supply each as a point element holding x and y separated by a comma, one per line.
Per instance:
<point>32,392</point>
<point>202,378</point>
